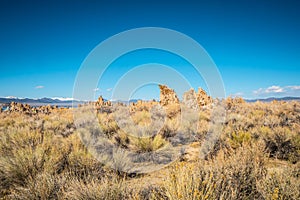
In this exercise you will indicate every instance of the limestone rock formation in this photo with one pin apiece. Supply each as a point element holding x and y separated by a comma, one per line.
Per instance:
<point>190,99</point>
<point>27,109</point>
<point>101,102</point>
<point>169,100</point>
<point>142,105</point>
<point>18,107</point>
<point>102,105</point>
<point>167,96</point>
<point>45,109</point>
<point>202,98</point>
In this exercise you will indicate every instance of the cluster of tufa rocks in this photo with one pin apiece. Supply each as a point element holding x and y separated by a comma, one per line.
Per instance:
<point>142,105</point>
<point>103,105</point>
<point>27,109</point>
<point>190,98</point>
<point>101,102</point>
<point>170,101</point>
<point>196,100</point>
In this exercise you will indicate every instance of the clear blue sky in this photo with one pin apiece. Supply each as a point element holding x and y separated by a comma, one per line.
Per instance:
<point>255,44</point>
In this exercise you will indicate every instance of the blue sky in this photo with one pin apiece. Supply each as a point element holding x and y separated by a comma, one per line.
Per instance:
<point>255,44</point>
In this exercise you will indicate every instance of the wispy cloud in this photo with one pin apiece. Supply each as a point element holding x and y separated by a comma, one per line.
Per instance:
<point>276,90</point>
<point>96,89</point>
<point>294,87</point>
<point>39,87</point>
<point>109,89</point>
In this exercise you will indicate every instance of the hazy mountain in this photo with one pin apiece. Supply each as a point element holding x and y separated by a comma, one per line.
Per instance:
<point>42,101</point>
<point>68,101</point>
<point>274,98</point>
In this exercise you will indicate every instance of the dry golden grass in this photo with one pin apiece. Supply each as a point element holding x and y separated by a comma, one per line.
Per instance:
<point>256,157</point>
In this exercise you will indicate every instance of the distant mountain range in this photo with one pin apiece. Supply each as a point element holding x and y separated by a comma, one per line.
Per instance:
<point>65,102</point>
<point>274,98</point>
<point>42,101</point>
<point>68,101</point>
